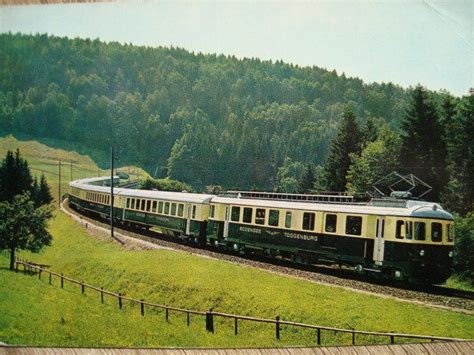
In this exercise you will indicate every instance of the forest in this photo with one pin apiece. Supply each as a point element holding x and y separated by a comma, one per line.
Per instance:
<point>238,123</point>
<point>203,119</point>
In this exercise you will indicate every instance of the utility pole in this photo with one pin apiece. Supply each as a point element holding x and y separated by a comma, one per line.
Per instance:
<point>59,186</point>
<point>112,192</point>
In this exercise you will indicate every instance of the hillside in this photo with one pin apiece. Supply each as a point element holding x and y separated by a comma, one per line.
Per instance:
<point>44,159</point>
<point>202,119</point>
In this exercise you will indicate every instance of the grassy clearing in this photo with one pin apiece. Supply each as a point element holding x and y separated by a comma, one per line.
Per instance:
<point>180,279</point>
<point>45,159</point>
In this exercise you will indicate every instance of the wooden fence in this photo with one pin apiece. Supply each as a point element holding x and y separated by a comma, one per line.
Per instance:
<point>210,314</point>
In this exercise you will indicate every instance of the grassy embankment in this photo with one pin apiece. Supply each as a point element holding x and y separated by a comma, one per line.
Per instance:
<point>32,312</point>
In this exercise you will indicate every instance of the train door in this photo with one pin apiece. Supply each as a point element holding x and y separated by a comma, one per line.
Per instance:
<point>379,242</point>
<point>226,222</point>
<point>188,221</point>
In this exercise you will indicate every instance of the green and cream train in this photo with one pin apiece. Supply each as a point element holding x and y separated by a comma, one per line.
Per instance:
<point>395,238</point>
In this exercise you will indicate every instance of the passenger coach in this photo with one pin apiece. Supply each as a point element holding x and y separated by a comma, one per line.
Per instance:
<point>175,213</point>
<point>401,239</point>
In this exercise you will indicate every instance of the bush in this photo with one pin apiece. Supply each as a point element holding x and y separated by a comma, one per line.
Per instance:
<point>165,185</point>
<point>464,247</point>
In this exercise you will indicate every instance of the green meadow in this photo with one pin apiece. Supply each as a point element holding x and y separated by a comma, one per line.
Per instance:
<point>33,312</point>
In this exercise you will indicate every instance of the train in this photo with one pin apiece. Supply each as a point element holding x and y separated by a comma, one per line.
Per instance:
<point>395,238</point>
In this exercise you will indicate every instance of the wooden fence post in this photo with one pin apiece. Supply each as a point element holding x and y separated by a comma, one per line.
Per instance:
<point>142,307</point>
<point>209,321</point>
<point>166,313</point>
<point>319,336</point>
<point>353,337</point>
<point>277,327</point>
<point>82,287</point>
<point>235,326</point>
<point>39,274</point>
<point>120,300</point>
<point>50,278</point>
<point>392,338</point>
<point>187,319</point>
<point>101,295</point>
<point>62,280</point>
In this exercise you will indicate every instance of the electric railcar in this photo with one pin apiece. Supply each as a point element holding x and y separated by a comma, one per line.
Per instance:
<point>394,238</point>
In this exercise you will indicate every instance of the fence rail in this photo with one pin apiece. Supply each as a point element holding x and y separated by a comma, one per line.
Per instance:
<point>210,315</point>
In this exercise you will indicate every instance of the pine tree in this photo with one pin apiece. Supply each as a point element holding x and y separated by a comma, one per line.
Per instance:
<point>306,182</point>
<point>35,192</point>
<point>16,179</point>
<point>44,193</point>
<point>423,151</point>
<point>370,131</point>
<point>459,193</point>
<point>7,178</point>
<point>347,141</point>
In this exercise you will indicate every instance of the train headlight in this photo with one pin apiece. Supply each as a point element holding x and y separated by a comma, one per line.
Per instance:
<point>422,252</point>
<point>450,254</point>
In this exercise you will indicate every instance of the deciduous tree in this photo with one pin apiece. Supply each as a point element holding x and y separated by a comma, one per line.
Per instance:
<point>22,226</point>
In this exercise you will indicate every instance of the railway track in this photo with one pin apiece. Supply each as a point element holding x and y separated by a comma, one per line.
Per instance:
<point>436,296</point>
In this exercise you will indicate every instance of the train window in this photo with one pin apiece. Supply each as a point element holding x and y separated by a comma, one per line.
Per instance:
<point>213,211</point>
<point>449,232</point>
<point>308,221</point>
<point>235,214</point>
<point>132,203</point>
<point>148,205</point>
<point>353,225</point>
<point>173,209</point>
<point>142,207</point>
<point>167,207</point>
<point>288,220</point>
<point>153,208</point>
<point>108,200</point>
<point>408,230</point>
<point>194,211</point>
<point>160,207</point>
<point>331,223</point>
<point>260,216</point>
<point>436,232</point>
<point>273,217</point>
<point>247,217</point>
<point>180,210</point>
<point>400,230</point>
<point>420,231</point>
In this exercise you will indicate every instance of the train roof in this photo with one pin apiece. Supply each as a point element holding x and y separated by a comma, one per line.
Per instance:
<point>402,208</point>
<point>412,208</point>
<point>87,184</point>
